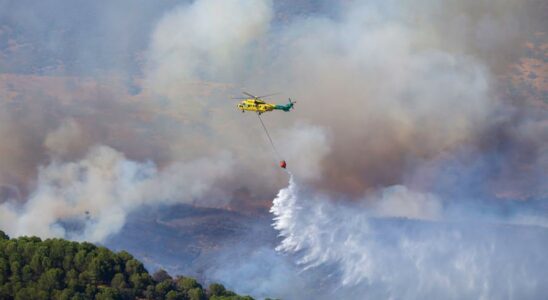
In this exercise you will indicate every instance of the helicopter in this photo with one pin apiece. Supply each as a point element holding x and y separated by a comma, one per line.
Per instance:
<point>258,105</point>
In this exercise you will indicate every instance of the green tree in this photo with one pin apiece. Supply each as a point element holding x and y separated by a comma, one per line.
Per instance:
<point>80,260</point>
<point>102,268</point>
<point>118,281</point>
<point>36,263</point>
<point>174,295</point>
<point>163,288</point>
<point>140,281</point>
<point>80,296</point>
<point>10,247</point>
<point>108,294</point>
<point>68,261</point>
<point>27,274</point>
<point>3,236</point>
<point>196,294</point>
<point>31,293</point>
<point>91,290</point>
<point>6,291</point>
<point>57,249</point>
<point>51,280</point>
<point>4,271</point>
<point>216,289</point>
<point>133,266</point>
<point>46,263</point>
<point>15,267</point>
<point>56,269</point>
<point>125,256</point>
<point>65,294</point>
<point>187,283</point>
<point>150,292</point>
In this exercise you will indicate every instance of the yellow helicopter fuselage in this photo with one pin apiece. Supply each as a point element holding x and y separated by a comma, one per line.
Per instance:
<point>255,105</point>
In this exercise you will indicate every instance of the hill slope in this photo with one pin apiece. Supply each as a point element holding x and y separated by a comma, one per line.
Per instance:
<point>58,269</point>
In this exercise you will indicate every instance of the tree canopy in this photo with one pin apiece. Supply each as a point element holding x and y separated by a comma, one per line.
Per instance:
<point>59,269</point>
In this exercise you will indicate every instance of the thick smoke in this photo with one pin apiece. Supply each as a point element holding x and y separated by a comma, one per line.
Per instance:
<point>393,100</point>
<point>391,89</point>
<point>384,88</point>
<point>204,40</point>
<point>90,199</point>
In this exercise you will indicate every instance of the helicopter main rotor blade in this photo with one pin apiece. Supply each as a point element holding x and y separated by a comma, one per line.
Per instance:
<point>269,95</point>
<point>246,93</point>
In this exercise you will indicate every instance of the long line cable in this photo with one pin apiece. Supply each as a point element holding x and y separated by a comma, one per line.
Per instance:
<point>269,138</point>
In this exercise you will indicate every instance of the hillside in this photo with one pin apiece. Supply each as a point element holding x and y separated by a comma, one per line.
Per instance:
<point>58,269</point>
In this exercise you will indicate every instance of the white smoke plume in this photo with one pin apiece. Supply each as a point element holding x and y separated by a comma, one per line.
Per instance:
<point>89,199</point>
<point>208,39</point>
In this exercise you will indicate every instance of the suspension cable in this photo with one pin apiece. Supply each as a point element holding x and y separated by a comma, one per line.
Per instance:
<point>269,138</point>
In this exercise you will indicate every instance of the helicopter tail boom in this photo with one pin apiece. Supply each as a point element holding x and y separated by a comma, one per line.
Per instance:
<point>286,107</point>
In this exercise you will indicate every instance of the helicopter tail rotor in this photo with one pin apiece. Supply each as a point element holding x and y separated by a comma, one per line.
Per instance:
<point>291,103</point>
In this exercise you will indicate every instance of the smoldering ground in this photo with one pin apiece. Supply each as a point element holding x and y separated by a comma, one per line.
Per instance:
<point>418,103</point>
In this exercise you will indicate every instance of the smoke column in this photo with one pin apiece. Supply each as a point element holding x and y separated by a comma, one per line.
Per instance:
<point>89,199</point>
